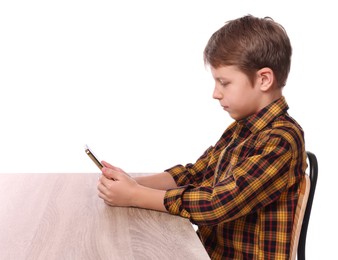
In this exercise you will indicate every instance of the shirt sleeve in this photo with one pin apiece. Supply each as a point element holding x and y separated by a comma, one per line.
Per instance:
<point>253,183</point>
<point>192,173</point>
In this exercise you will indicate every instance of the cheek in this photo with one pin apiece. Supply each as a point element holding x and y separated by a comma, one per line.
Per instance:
<point>241,100</point>
<point>236,96</point>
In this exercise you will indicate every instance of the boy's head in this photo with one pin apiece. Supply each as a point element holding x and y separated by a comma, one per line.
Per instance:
<point>251,43</point>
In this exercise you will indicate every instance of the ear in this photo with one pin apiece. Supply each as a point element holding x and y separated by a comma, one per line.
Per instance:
<point>265,79</point>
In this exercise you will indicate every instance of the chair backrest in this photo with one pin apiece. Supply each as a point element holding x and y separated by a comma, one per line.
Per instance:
<point>303,211</point>
<point>313,166</point>
<point>299,215</point>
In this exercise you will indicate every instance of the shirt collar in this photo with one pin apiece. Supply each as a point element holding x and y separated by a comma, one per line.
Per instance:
<point>258,121</point>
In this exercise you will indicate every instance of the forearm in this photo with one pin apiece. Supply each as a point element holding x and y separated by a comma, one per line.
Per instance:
<point>149,198</point>
<point>161,181</point>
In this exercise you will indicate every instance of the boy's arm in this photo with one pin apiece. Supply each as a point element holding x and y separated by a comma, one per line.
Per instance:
<point>252,184</point>
<point>160,181</point>
<point>194,173</point>
<point>178,175</point>
<point>148,198</point>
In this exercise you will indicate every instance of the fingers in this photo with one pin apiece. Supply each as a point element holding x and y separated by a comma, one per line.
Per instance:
<point>112,174</point>
<point>108,165</point>
<point>108,173</point>
<point>113,184</point>
<point>106,199</point>
<point>104,184</point>
<point>104,187</point>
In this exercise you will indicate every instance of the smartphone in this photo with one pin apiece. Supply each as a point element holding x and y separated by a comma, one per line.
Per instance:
<point>92,156</point>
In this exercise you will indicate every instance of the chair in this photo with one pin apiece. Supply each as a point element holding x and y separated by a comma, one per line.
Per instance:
<point>303,211</point>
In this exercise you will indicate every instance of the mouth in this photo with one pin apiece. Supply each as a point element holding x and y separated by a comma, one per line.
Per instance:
<point>226,108</point>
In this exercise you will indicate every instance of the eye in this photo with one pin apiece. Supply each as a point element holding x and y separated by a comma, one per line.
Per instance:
<point>223,83</point>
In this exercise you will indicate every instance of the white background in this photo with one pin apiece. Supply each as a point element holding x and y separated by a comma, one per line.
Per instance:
<point>127,78</point>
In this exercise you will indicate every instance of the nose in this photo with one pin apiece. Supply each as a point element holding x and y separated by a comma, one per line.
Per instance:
<point>217,94</point>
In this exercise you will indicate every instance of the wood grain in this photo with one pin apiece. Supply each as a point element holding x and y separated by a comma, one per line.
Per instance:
<point>299,215</point>
<point>60,216</point>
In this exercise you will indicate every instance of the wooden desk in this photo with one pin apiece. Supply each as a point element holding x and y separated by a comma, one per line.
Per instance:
<point>60,216</point>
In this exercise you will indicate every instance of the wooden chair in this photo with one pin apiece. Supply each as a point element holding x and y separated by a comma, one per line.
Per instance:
<point>303,211</point>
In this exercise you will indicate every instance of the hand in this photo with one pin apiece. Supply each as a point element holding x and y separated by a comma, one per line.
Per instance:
<point>116,187</point>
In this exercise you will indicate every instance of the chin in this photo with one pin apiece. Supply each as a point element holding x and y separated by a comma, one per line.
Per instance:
<point>237,117</point>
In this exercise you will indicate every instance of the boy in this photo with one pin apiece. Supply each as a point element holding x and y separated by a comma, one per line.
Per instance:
<point>243,191</point>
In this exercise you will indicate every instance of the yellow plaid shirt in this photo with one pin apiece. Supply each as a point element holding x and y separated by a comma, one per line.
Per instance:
<point>243,191</point>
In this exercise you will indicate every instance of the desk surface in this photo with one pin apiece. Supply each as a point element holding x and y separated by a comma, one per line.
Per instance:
<point>60,216</point>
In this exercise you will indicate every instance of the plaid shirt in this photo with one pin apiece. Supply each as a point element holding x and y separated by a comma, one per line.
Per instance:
<point>243,191</point>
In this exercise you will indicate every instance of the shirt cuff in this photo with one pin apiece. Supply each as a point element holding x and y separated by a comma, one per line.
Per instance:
<point>173,201</point>
<point>179,174</point>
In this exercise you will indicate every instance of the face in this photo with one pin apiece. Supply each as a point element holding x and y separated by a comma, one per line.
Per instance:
<point>235,92</point>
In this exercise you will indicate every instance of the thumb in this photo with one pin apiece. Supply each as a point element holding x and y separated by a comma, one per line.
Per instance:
<point>108,165</point>
<point>113,174</point>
